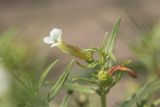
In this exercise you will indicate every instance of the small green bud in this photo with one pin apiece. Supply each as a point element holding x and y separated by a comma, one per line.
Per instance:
<point>103,75</point>
<point>104,78</point>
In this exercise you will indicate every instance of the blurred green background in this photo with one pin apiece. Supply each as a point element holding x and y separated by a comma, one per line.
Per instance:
<point>24,23</point>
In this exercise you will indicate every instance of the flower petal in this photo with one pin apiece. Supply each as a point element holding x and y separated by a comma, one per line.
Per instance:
<point>56,34</point>
<point>53,45</point>
<point>48,40</point>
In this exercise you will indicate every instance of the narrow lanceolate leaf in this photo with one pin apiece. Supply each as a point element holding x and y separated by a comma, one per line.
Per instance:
<point>112,37</point>
<point>144,92</point>
<point>58,85</point>
<point>105,41</point>
<point>45,73</point>
<point>79,88</point>
<point>91,80</point>
<point>66,99</point>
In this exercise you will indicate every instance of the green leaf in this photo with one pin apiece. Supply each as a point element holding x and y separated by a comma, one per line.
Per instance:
<point>76,86</point>
<point>79,88</point>
<point>144,92</point>
<point>45,73</point>
<point>105,41</point>
<point>114,81</point>
<point>126,62</point>
<point>91,80</point>
<point>111,56</point>
<point>93,64</point>
<point>118,76</point>
<point>110,44</point>
<point>66,99</point>
<point>156,103</point>
<point>58,85</point>
<point>112,38</point>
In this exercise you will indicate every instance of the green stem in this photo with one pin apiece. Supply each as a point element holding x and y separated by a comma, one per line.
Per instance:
<point>103,101</point>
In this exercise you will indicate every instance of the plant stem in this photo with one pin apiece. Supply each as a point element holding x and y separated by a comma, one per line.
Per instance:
<point>103,101</point>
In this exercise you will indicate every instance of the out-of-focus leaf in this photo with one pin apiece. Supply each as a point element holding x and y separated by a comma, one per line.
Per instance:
<point>66,99</point>
<point>156,103</point>
<point>114,81</point>
<point>5,40</point>
<point>79,88</point>
<point>93,64</point>
<point>45,73</point>
<point>58,85</point>
<point>111,56</point>
<point>141,103</point>
<point>127,62</point>
<point>76,86</point>
<point>91,80</point>
<point>8,35</point>
<point>147,51</point>
<point>144,92</point>
<point>118,76</point>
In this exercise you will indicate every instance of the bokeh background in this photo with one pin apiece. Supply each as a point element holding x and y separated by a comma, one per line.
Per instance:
<point>84,23</point>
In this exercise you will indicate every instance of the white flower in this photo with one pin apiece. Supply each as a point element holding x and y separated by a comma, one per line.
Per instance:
<point>54,38</point>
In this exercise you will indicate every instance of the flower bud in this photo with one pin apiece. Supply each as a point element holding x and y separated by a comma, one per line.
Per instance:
<point>103,75</point>
<point>104,78</point>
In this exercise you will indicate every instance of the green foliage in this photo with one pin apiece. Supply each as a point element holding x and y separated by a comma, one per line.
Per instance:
<point>112,39</point>
<point>58,85</point>
<point>79,88</point>
<point>11,56</point>
<point>44,74</point>
<point>147,50</point>
<point>66,99</point>
<point>33,96</point>
<point>140,96</point>
<point>156,103</point>
<point>26,83</point>
<point>110,43</point>
<point>16,54</point>
<point>105,74</point>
